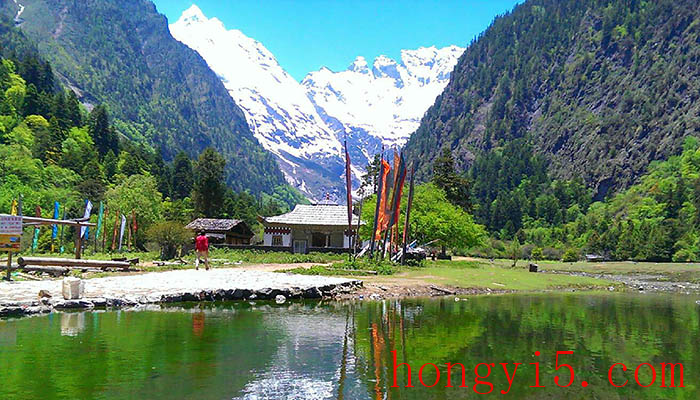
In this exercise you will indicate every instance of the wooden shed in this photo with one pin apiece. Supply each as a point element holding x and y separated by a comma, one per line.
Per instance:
<point>223,231</point>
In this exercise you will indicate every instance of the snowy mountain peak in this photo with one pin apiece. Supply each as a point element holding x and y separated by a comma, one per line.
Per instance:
<point>303,125</point>
<point>192,15</point>
<point>387,104</point>
<point>359,65</point>
<point>279,113</point>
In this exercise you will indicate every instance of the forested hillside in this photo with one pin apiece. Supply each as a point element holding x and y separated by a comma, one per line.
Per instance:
<point>160,92</point>
<point>598,88</point>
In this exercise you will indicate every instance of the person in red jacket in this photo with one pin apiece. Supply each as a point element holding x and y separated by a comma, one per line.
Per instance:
<point>201,245</point>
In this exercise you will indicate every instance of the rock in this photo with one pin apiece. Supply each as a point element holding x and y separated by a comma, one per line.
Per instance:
<point>312,293</point>
<point>73,304</point>
<point>44,294</point>
<point>99,302</point>
<point>280,299</point>
<point>239,294</point>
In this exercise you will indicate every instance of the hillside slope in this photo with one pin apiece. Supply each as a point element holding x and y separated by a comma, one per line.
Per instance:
<point>599,87</point>
<point>120,53</point>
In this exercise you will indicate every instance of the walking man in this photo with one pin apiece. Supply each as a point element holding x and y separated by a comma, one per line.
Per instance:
<point>201,245</point>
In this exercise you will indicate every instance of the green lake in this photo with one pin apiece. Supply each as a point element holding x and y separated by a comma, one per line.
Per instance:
<point>343,350</point>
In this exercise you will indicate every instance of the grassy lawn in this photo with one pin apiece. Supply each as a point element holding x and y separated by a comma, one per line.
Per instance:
<point>469,274</point>
<point>475,274</point>
<point>687,272</point>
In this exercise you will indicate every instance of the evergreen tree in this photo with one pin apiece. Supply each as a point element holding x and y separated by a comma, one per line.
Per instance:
<point>183,176</point>
<point>111,164</point>
<point>102,133</point>
<point>93,184</point>
<point>445,177</point>
<point>33,102</point>
<point>133,165</point>
<point>209,185</point>
<point>73,109</point>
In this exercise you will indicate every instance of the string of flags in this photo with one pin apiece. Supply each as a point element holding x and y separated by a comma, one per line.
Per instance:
<point>129,224</point>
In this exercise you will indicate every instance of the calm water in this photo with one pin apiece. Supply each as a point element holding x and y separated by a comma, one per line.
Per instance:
<point>343,350</point>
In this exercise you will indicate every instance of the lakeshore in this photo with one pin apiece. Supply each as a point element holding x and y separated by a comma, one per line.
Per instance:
<point>22,298</point>
<point>265,280</point>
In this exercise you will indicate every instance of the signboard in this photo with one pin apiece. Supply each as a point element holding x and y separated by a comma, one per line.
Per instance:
<point>10,233</point>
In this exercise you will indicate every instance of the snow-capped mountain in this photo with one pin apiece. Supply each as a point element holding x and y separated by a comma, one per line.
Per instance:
<point>305,124</point>
<point>277,109</point>
<point>387,101</point>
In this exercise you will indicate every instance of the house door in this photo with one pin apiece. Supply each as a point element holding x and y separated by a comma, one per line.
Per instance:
<point>300,246</point>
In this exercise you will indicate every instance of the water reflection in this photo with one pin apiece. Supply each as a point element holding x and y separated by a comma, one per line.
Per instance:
<point>317,350</point>
<point>72,323</point>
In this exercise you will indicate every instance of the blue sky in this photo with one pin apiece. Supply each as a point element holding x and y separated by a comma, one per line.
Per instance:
<point>307,35</point>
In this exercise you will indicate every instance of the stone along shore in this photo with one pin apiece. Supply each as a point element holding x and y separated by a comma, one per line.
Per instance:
<point>22,298</point>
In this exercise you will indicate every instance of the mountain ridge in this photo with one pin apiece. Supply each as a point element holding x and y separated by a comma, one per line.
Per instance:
<point>306,123</point>
<point>600,88</point>
<point>158,90</point>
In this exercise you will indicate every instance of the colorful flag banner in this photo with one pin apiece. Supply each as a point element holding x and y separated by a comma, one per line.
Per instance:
<point>35,239</point>
<point>88,209</point>
<point>121,231</point>
<point>400,173</point>
<point>13,209</point>
<point>381,218</point>
<point>348,186</point>
<point>100,217</point>
<point>54,227</point>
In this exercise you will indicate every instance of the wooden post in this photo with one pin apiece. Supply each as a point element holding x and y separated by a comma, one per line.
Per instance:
<point>9,266</point>
<point>78,242</point>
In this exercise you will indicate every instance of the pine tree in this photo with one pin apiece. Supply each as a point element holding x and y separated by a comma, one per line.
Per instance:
<point>111,164</point>
<point>209,187</point>
<point>92,186</point>
<point>183,176</point>
<point>446,178</point>
<point>104,136</point>
<point>73,109</point>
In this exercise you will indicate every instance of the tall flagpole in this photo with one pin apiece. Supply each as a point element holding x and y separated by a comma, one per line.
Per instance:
<point>408,215</point>
<point>380,188</point>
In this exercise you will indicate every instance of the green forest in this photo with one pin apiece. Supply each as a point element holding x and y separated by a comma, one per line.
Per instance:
<point>159,92</point>
<point>599,88</point>
<point>53,150</point>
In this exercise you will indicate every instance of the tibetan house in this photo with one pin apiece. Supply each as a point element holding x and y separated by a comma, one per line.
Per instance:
<point>223,231</point>
<point>307,228</point>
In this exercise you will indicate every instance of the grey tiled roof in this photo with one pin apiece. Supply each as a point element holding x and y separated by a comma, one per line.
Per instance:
<point>318,214</point>
<point>212,224</point>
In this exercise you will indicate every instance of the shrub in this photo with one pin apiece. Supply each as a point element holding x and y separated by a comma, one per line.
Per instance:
<point>536,253</point>
<point>169,235</point>
<point>570,255</point>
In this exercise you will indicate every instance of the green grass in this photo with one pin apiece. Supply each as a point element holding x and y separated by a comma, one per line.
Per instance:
<point>271,257</point>
<point>685,272</point>
<point>464,274</point>
<point>476,274</point>
<point>358,267</point>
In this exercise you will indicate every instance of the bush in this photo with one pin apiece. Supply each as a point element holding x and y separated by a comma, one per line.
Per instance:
<point>536,253</point>
<point>169,235</point>
<point>550,253</point>
<point>570,255</point>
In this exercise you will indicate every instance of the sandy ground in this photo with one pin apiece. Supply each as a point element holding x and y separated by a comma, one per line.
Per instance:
<point>156,284</point>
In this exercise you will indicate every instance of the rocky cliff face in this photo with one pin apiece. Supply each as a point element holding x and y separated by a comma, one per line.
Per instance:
<point>599,87</point>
